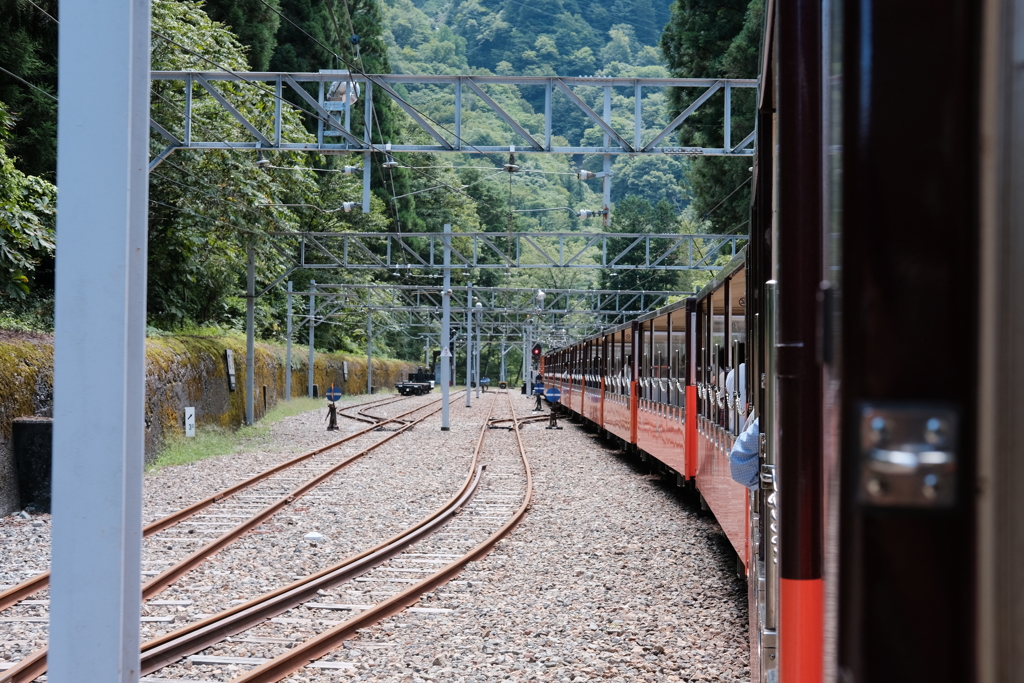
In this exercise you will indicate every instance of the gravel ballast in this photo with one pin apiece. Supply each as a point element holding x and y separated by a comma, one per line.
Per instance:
<point>612,576</point>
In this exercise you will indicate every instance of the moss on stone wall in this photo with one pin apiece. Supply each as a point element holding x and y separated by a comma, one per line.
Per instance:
<point>26,388</point>
<point>180,372</point>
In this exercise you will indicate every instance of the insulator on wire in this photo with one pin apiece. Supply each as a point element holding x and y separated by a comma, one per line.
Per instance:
<point>348,206</point>
<point>349,170</point>
<point>584,174</point>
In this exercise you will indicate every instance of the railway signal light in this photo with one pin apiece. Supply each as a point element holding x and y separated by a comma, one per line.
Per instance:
<point>536,350</point>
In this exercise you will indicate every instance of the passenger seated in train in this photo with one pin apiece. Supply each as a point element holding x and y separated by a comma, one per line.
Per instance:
<point>744,466</point>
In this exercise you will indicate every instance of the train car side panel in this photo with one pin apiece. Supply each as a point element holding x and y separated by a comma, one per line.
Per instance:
<point>727,499</point>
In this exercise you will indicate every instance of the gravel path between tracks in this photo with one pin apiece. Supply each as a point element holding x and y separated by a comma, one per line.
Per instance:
<point>25,538</point>
<point>369,501</point>
<point>612,576</point>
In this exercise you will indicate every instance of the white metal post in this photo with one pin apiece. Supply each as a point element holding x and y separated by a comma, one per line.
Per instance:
<point>99,349</point>
<point>312,328</point>
<point>606,181</point>
<point>446,328</point>
<point>288,349</point>
<point>369,352</point>
<point>526,341</point>
<point>479,376</point>
<point>250,335</point>
<point>502,373</point>
<point>367,135</point>
<point>469,343</point>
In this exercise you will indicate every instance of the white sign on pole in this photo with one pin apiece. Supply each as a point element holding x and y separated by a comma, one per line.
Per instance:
<point>445,353</point>
<point>190,421</point>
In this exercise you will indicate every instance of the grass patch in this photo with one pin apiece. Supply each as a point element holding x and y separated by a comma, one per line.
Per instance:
<point>213,442</point>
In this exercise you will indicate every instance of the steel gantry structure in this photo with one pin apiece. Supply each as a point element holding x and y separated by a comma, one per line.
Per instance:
<point>337,92</point>
<point>504,315</point>
<point>502,250</point>
<point>335,133</point>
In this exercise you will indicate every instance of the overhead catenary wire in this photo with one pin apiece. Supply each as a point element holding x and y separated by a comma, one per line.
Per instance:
<point>31,85</point>
<point>373,147</point>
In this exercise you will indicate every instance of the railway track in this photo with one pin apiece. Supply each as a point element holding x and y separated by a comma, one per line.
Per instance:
<point>492,500</point>
<point>227,516</point>
<point>362,413</point>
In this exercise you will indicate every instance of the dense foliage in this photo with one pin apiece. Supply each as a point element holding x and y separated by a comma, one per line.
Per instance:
<point>208,209</point>
<point>26,219</point>
<point>28,48</point>
<point>715,39</point>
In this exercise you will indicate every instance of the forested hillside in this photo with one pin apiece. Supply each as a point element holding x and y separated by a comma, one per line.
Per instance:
<point>208,207</point>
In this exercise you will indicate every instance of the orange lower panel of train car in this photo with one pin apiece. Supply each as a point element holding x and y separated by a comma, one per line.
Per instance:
<point>617,419</point>
<point>592,404</point>
<point>728,500</point>
<point>661,433</point>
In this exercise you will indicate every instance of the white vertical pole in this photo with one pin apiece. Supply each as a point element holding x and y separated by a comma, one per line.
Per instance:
<point>469,343</point>
<point>367,137</point>
<point>250,335</point>
<point>477,354</point>
<point>288,350</point>
<point>526,340</point>
<point>100,342</point>
<point>503,378</point>
<point>446,328</point>
<point>369,352</point>
<point>606,181</point>
<point>312,329</point>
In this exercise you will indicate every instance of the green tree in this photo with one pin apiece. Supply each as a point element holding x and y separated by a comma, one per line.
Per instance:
<point>636,215</point>
<point>715,39</point>
<point>254,24</point>
<point>26,219</point>
<point>206,205</point>
<point>28,47</point>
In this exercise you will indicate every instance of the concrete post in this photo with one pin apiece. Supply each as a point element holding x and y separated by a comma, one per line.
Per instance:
<point>250,335</point>
<point>479,376</point>
<point>369,352</point>
<point>446,324</point>
<point>99,347</point>
<point>288,349</point>
<point>469,343</point>
<point>502,374</point>
<point>606,181</point>
<point>312,328</point>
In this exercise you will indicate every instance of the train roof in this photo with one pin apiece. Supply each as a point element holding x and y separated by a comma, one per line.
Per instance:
<point>735,265</point>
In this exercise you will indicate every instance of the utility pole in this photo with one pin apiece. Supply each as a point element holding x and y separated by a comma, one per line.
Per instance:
<point>606,181</point>
<point>469,343</point>
<point>502,373</point>
<point>479,310</point>
<point>369,352</point>
<point>99,347</point>
<point>446,322</point>
<point>250,334</point>
<point>288,350</point>
<point>312,326</point>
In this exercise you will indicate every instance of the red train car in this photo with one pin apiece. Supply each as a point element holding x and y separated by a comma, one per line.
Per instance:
<point>670,386</point>
<point>872,326</point>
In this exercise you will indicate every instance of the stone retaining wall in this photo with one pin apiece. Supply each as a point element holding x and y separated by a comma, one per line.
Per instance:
<point>180,371</point>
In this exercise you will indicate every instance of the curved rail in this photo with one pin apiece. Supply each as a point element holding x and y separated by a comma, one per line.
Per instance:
<point>16,594</point>
<point>299,656</point>
<point>192,638</point>
<point>34,665</point>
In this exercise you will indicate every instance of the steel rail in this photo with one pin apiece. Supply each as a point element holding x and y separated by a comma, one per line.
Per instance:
<point>193,638</point>
<point>299,656</point>
<point>361,414</point>
<point>33,666</point>
<point>30,586</point>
